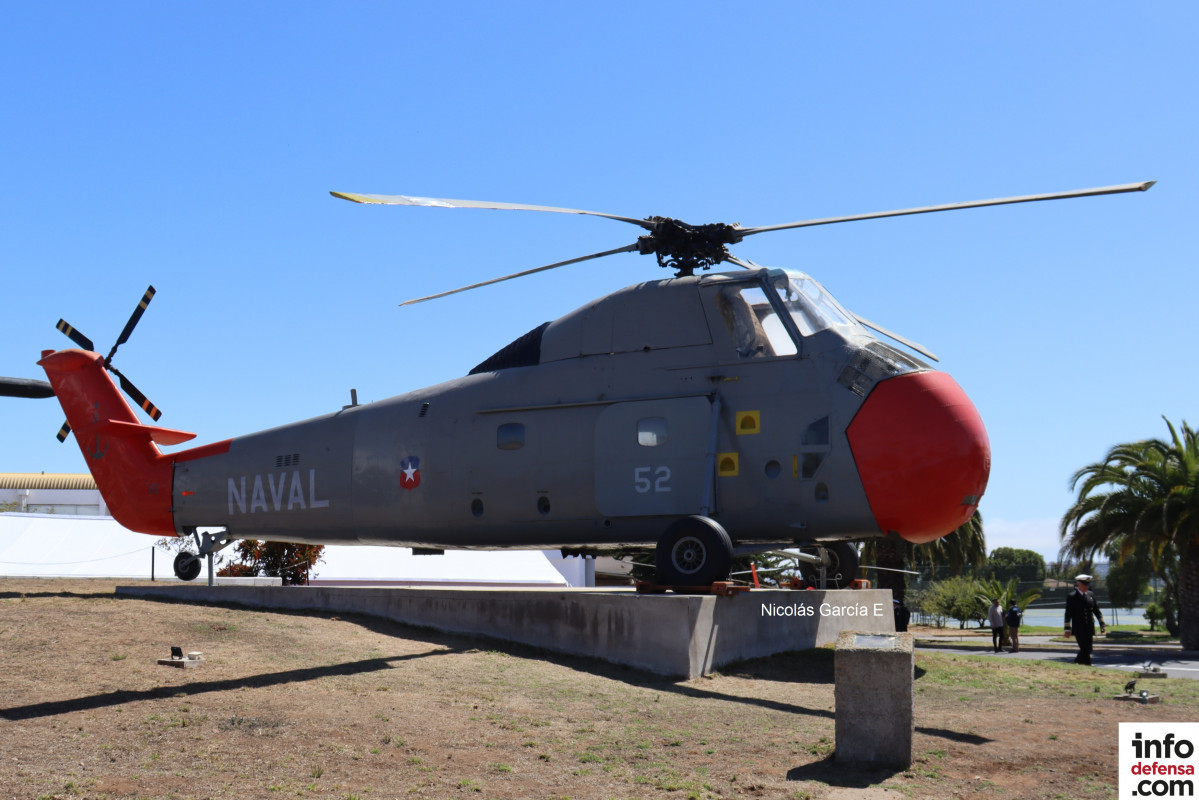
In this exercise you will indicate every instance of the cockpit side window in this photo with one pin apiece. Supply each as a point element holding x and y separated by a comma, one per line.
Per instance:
<point>752,324</point>
<point>811,307</point>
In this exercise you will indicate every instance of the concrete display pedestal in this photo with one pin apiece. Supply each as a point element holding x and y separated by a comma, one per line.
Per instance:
<point>874,698</point>
<point>678,635</point>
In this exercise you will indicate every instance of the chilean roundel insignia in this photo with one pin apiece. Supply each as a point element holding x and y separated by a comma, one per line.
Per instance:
<point>410,472</point>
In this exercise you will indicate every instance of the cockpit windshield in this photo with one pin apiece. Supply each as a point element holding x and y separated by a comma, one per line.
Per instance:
<point>812,308</point>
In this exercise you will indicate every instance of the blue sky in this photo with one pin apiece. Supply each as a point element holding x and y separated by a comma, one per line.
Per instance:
<point>194,146</point>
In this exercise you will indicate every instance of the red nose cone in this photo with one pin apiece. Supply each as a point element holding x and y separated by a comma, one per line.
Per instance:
<point>922,454</point>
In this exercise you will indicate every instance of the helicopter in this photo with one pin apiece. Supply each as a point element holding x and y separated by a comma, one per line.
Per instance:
<point>707,414</point>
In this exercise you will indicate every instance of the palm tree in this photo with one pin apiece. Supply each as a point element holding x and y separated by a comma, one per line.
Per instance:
<point>889,554</point>
<point>1008,594</point>
<point>1144,494</point>
<point>961,549</point>
<point>964,549</point>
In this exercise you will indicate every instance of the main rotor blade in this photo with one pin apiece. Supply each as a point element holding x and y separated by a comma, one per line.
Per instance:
<point>135,393</point>
<point>25,387</point>
<point>75,336</point>
<point>434,202</point>
<point>632,248</point>
<point>742,263</point>
<point>133,320</point>
<point>1032,198</point>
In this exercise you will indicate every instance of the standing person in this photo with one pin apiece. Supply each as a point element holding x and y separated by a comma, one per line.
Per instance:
<point>995,620</point>
<point>902,616</point>
<point>1013,626</point>
<point>1081,612</point>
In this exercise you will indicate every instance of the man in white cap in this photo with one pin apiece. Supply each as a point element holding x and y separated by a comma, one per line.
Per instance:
<point>1081,612</point>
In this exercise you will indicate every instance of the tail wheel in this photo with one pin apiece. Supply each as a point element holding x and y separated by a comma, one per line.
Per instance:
<point>187,566</point>
<point>693,551</point>
<point>841,570</point>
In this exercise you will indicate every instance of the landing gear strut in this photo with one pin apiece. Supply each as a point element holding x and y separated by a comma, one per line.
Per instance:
<point>187,565</point>
<point>840,565</point>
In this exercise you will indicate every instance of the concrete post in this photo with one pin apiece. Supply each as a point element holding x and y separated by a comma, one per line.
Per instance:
<point>874,698</point>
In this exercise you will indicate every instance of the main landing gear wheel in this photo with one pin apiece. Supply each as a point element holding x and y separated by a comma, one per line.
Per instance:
<point>842,568</point>
<point>693,551</point>
<point>186,570</point>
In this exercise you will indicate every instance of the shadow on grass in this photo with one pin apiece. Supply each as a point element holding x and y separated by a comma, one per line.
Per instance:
<point>53,708</point>
<point>808,666</point>
<point>67,594</point>
<point>828,771</point>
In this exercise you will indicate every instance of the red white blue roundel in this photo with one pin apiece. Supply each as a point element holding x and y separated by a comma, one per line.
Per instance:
<point>410,472</point>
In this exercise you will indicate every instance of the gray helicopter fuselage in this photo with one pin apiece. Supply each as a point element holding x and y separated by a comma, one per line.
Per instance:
<point>698,414</point>
<point>687,396</point>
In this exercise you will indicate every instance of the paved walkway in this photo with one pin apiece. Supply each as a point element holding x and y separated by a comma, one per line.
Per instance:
<point>1170,658</point>
<point>981,638</point>
<point>982,641</point>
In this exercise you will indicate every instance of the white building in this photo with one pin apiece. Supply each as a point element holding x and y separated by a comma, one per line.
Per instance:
<point>39,493</point>
<point>57,525</point>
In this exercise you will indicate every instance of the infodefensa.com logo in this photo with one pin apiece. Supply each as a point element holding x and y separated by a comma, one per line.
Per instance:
<point>1157,759</point>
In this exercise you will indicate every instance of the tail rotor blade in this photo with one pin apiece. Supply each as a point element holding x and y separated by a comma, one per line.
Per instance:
<point>8,385</point>
<point>142,401</point>
<point>133,320</point>
<point>75,336</point>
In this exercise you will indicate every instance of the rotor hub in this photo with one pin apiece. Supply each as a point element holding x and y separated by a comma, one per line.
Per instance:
<point>684,247</point>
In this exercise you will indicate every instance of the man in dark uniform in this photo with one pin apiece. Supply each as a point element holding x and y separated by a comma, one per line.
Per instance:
<point>1081,612</point>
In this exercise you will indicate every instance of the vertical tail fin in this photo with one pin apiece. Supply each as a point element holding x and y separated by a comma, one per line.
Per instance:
<point>133,475</point>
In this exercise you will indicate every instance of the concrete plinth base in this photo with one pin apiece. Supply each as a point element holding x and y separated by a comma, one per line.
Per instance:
<point>677,635</point>
<point>1158,674</point>
<point>179,663</point>
<point>1136,698</point>
<point>874,699</point>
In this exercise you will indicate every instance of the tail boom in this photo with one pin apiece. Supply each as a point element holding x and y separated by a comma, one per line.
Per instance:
<point>132,474</point>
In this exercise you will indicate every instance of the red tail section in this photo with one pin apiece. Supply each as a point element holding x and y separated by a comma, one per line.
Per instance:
<point>133,475</point>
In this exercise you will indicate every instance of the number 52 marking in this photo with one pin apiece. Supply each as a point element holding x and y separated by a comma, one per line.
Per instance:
<point>643,483</point>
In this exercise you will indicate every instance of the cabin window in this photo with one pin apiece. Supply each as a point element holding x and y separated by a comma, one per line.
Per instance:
<point>814,445</point>
<point>651,431</point>
<point>811,307</point>
<point>816,433</point>
<point>811,463</point>
<point>753,325</point>
<point>510,436</point>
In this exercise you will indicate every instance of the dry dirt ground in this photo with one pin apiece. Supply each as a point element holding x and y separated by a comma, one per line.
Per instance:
<point>311,705</point>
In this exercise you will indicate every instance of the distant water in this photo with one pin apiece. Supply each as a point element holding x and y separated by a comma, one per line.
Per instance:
<point>1054,617</point>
